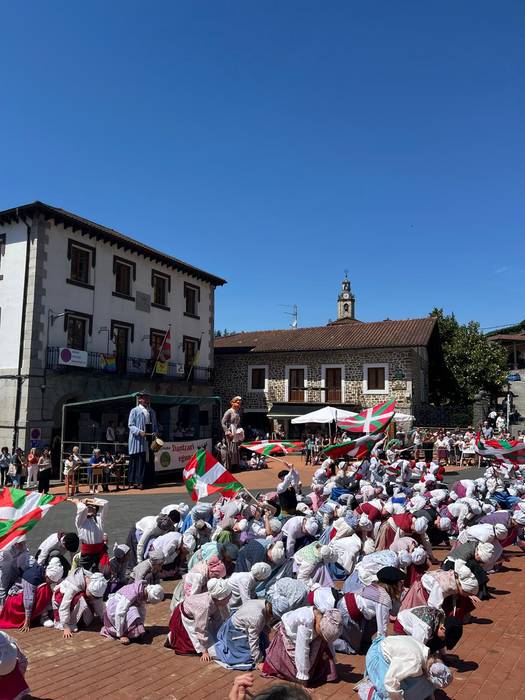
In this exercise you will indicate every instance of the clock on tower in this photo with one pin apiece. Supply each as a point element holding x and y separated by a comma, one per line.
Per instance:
<point>346,301</point>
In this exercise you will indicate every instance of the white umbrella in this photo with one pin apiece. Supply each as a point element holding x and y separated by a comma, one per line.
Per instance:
<point>327,414</point>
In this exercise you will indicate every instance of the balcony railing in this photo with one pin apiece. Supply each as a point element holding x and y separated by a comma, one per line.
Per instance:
<point>131,366</point>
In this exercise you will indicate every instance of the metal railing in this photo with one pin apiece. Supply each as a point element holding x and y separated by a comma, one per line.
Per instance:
<point>135,366</point>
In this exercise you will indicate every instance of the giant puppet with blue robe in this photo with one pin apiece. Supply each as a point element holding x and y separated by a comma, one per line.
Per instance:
<point>142,424</point>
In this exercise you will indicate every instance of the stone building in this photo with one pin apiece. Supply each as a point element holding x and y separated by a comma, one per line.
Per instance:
<point>349,364</point>
<point>84,313</point>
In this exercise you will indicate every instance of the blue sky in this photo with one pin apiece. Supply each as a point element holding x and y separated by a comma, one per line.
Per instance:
<point>277,143</point>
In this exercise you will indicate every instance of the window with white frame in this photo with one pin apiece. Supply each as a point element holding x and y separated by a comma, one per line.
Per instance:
<point>295,381</point>
<point>333,382</point>
<point>375,378</point>
<point>258,378</point>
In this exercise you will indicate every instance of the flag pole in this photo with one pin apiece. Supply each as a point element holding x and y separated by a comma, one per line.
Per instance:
<point>197,354</point>
<point>160,350</point>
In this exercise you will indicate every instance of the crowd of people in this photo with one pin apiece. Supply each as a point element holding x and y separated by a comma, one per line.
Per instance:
<point>280,583</point>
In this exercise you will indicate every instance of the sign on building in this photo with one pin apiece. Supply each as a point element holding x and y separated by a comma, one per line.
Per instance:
<point>72,358</point>
<point>175,455</point>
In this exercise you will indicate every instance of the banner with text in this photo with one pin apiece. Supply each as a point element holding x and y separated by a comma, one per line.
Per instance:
<point>175,455</point>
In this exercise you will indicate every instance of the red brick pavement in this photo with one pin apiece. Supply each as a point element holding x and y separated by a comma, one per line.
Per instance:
<point>253,480</point>
<point>489,662</point>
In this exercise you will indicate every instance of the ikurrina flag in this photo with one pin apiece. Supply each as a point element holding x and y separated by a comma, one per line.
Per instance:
<point>204,476</point>
<point>371,420</point>
<point>358,449</point>
<point>273,447</point>
<point>20,511</point>
<point>501,450</point>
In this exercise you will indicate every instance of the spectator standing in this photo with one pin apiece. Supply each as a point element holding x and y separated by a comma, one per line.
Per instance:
<point>17,468</point>
<point>110,432</point>
<point>5,461</point>
<point>32,468</point>
<point>487,430</point>
<point>44,471</point>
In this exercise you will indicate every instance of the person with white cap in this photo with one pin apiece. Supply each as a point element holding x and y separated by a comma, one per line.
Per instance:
<point>117,571</point>
<point>14,560</point>
<point>13,666</point>
<point>485,553</point>
<point>401,667</point>
<point>150,570</point>
<point>242,639</point>
<point>30,599</point>
<point>152,527</point>
<point>298,531</point>
<point>243,584</point>
<point>369,609</point>
<point>310,560</point>
<point>125,613</point>
<point>196,620</point>
<point>301,650</point>
<point>347,546</point>
<point>78,598</point>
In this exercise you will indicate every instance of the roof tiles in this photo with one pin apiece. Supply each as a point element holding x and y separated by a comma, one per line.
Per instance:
<point>408,333</point>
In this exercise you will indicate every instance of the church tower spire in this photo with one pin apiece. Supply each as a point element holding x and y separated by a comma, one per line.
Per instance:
<point>346,301</point>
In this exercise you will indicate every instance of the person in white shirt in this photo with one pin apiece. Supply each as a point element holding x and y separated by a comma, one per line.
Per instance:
<point>295,530</point>
<point>89,521</point>
<point>399,667</point>
<point>243,584</point>
<point>304,638</point>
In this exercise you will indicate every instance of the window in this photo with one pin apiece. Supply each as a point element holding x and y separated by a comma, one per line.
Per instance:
<point>82,257</point>
<point>375,379</point>
<point>156,339</point>
<point>80,263</point>
<point>123,278</point>
<point>257,378</point>
<point>161,287</point>
<point>192,295</point>
<point>296,383</point>
<point>76,332</point>
<point>190,347</point>
<point>332,382</point>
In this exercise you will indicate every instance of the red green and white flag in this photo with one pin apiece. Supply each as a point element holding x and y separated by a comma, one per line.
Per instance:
<point>502,450</point>
<point>204,475</point>
<point>358,449</point>
<point>20,511</point>
<point>371,420</point>
<point>273,447</point>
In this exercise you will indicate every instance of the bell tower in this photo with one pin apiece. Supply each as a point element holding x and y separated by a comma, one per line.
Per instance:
<point>346,301</point>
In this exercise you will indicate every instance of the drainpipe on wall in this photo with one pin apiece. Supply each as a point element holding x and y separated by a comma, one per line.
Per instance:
<point>19,378</point>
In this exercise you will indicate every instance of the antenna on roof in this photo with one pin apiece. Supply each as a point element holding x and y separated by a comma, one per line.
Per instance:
<point>294,313</point>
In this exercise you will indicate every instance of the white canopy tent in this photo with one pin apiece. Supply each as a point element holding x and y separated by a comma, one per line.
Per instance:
<point>327,414</point>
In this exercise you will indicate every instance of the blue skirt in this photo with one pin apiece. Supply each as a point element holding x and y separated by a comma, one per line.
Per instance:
<point>417,688</point>
<point>232,648</point>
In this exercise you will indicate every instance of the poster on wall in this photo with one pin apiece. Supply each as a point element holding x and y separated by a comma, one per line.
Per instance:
<point>175,455</point>
<point>73,358</point>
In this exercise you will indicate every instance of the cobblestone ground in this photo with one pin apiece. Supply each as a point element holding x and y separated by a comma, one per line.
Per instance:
<point>488,663</point>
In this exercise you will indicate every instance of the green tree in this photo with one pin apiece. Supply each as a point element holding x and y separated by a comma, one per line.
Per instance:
<point>471,363</point>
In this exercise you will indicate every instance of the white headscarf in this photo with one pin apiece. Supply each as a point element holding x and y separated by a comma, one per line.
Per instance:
<point>261,571</point>
<point>420,525</point>
<point>218,588</point>
<point>276,553</point>
<point>467,580</point>
<point>485,551</point>
<point>97,585</point>
<point>155,593</point>
<point>311,527</point>
<point>55,570</point>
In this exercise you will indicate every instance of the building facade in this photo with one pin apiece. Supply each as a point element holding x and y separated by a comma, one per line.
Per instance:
<point>85,312</point>
<point>347,363</point>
